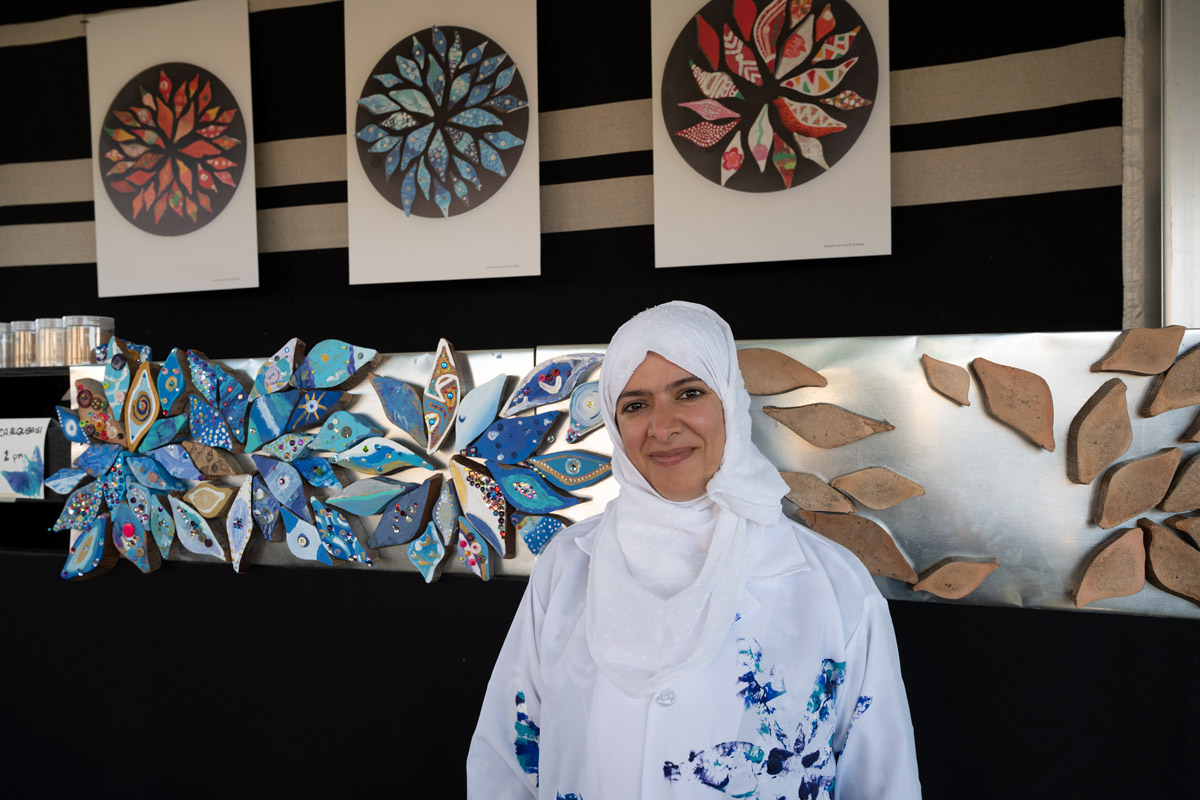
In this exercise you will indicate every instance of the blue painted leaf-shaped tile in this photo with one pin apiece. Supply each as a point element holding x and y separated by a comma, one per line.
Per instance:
<point>406,516</point>
<point>175,460</point>
<point>441,197</point>
<point>138,498</point>
<point>151,474</point>
<point>439,41</point>
<point>490,64</point>
<point>331,363</point>
<point>264,508</point>
<point>473,551</point>
<point>81,507</point>
<point>208,425</point>
<point>460,86</point>
<point>435,79</point>
<point>512,440</point>
<point>166,431</point>
<point>318,472</point>
<point>233,401</point>
<point>477,410</point>
<point>193,531</point>
<point>389,166</point>
<point>442,394</point>
<point>428,554</point>
<point>400,121</point>
<point>312,407</point>
<point>456,52</point>
<point>239,524</point>
<point>473,55</point>
<point>529,492</point>
<point>378,104</point>
<point>387,79</point>
<point>438,154</point>
<point>482,502</point>
<point>369,496</point>
<point>97,458</point>
<point>204,376</point>
<point>476,118</point>
<point>505,78</point>
<point>408,190</point>
<point>536,530</point>
<point>337,536</point>
<point>69,423</point>
<point>303,540</point>
<point>275,374</point>
<point>115,481</point>
<point>379,456</point>
<point>173,379</point>
<point>372,133</point>
<point>468,172</point>
<point>269,415</point>
<point>385,144</point>
<point>460,190</point>
<point>464,143</point>
<point>289,447</point>
<point>507,102</point>
<point>550,381</point>
<point>490,159</point>
<point>65,480</point>
<point>413,100</point>
<point>410,69</point>
<point>344,429</point>
<point>479,94</point>
<point>571,469</point>
<point>585,411</point>
<point>284,483</point>
<point>132,541</point>
<point>424,179</point>
<point>162,525</point>
<point>402,405</point>
<point>503,140</point>
<point>117,373</point>
<point>90,554</point>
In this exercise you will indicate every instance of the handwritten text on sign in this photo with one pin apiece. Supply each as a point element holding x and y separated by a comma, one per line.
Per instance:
<point>22,469</point>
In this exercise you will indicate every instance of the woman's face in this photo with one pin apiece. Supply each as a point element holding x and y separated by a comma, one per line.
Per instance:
<point>673,428</point>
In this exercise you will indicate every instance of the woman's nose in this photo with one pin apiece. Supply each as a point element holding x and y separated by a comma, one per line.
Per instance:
<point>664,422</point>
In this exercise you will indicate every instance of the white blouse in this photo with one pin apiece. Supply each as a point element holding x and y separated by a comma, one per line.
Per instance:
<point>804,700</point>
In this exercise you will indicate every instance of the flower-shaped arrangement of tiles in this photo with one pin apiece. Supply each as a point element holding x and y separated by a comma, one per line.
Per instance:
<point>764,96</point>
<point>176,491</point>
<point>172,149</point>
<point>442,121</point>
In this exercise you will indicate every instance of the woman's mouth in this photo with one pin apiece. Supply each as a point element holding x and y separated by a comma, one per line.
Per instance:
<point>669,458</point>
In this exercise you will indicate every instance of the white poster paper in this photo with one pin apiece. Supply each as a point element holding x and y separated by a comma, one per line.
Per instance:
<point>842,211</point>
<point>447,130</point>
<point>173,161</point>
<point>22,464</point>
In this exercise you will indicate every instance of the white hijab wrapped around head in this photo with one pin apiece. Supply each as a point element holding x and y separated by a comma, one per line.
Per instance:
<point>665,576</point>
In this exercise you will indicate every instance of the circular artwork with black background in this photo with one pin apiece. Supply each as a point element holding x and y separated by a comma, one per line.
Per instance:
<point>765,96</point>
<point>172,149</point>
<point>442,121</point>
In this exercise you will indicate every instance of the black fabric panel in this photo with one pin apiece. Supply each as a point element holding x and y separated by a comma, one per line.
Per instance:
<point>303,194</point>
<point>47,212</point>
<point>1070,118</point>
<point>592,53</point>
<point>615,165</point>
<point>950,31</point>
<point>297,72</point>
<point>44,92</point>
<point>33,12</point>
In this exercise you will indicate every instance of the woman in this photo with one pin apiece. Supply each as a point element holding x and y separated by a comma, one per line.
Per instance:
<point>690,640</point>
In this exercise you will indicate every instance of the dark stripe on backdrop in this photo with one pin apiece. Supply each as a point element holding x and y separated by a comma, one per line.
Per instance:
<point>1002,127</point>
<point>615,165</point>
<point>47,212</point>
<point>304,194</point>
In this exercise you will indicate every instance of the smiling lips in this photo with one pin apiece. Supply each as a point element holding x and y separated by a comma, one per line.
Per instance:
<point>669,458</point>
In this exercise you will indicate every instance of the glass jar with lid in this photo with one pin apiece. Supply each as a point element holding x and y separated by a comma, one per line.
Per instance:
<point>24,343</point>
<point>84,334</point>
<point>51,341</point>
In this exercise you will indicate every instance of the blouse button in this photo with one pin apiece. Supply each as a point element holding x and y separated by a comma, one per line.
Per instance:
<point>665,698</point>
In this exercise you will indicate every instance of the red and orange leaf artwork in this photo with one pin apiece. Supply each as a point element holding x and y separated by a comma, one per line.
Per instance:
<point>173,147</point>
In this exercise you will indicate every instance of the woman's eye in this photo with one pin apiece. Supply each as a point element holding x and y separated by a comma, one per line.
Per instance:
<point>692,393</point>
<point>629,408</point>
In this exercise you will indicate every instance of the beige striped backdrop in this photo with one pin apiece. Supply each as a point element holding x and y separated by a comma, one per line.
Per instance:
<point>1082,160</point>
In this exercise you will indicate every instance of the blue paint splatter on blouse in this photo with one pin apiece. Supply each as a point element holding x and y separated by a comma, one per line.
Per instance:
<point>526,743</point>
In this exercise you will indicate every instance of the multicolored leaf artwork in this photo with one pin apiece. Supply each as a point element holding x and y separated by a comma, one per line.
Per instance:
<point>771,81</point>
<point>166,132</point>
<point>452,102</point>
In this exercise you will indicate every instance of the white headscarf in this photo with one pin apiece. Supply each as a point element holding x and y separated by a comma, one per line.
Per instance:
<point>665,576</point>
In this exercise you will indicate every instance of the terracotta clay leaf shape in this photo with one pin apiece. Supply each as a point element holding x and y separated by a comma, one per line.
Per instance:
<point>865,538</point>
<point>1192,434</point>
<point>1134,487</point>
<point>826,425</point>
<point>1178,387</point>
<point>209,499</point>
<point>1184,494</point>
<point>1099,434</point>
<point>212,461</point>
<point>954,579</point>
<point>1019,399</point>
<point>948,380</point>
<point>1172,564</point>
<point>878,487</point>
<point>767,371</point>
<point>809,493</point>
<point>1188,524</point>
<point>1142,351</point>
<point>1116,568</point>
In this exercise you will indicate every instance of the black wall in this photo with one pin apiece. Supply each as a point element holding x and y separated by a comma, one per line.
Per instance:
<point>194,681</point>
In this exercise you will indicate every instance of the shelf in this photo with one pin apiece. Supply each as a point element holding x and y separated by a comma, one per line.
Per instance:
<point>35,372</point>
